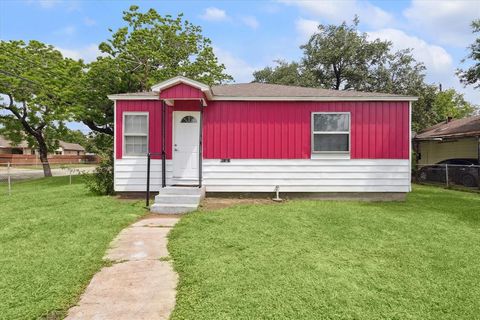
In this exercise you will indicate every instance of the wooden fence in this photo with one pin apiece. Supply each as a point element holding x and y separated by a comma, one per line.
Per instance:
<point>53,159</point>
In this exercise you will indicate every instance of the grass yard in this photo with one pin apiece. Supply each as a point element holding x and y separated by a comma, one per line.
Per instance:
<point>52,239</point>
<point>332,260</point>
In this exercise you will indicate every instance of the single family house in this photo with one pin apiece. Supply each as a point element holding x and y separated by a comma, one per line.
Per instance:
<point>453,138</point>
<point>256,137</point>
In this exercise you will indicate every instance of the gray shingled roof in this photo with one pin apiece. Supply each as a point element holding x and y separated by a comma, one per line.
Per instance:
<point>71,146</point>
<point>466,127</point>
<point>267,90</point>
<point>277,90</point>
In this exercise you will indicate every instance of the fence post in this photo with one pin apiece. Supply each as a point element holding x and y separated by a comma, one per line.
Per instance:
<point>70,174</point>
<point>9,180</point>
<point>446,173</point>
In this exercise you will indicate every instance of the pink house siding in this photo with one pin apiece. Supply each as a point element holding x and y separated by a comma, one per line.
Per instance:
<point>154,124</point>
<point>282,130</point>
<point>277,130</point>
<point>181,91</point>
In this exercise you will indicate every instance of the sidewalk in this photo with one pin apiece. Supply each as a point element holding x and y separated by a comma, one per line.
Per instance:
<point>138,285</point>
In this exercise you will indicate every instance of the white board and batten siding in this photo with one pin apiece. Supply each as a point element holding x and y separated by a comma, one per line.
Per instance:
<point>262,175</point>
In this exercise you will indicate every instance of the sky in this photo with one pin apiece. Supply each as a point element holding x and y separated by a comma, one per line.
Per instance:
<point>249,35</point>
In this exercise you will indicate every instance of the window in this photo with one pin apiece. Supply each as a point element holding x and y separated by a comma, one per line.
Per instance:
<point>188,119</point>
<point>135,134</point>
<point>330,132</point>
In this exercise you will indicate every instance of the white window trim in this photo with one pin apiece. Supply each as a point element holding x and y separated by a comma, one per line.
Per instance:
<point>130,113</point>
<point>330,154</point>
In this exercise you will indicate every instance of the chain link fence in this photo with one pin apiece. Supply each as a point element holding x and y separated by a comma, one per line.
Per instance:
<point>14,173</point>
<point>461,176</point>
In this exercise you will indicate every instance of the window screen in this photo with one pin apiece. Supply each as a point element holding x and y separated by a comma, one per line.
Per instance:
<point>135,134</point>
<point>330,132</point>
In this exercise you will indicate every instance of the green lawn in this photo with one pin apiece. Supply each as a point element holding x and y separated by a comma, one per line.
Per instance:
<point>52,239</point>
<point>418,259</point>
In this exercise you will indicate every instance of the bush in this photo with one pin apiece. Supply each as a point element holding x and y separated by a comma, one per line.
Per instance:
<point>101,181</point>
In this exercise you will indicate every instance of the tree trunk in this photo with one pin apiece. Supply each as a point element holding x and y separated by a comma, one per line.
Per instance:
<point>338,79</point>
<point>43,150</point>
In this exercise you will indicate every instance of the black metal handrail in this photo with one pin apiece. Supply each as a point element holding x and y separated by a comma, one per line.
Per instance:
<point>149,156</point>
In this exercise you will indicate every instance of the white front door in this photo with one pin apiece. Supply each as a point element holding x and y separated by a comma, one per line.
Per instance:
<point>186,126</point>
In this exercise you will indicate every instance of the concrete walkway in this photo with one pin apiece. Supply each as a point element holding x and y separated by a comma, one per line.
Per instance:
<point>138,285</point>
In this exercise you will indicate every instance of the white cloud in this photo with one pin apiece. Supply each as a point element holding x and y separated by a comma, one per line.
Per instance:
<point>437,60</point>
<point>250,21</point>
<point>306,28</point>
<point>87,53</point>
<point>214,14</point>
<point>238,68</point>
<point>439,63</point>
<point>71,5</point>
<point>339,11</point>
<point>66,31</point>
<point>48,3</point>
<point>89,22</point>
<point>448,22</point>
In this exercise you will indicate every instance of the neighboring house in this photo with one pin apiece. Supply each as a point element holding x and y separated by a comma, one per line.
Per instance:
<point>253,137</point>
<point>67,148</point>
<point>450,139</point>
<point>7,147</point>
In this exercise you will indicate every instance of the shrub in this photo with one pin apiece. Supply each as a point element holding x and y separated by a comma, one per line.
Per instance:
<point>101,181</point>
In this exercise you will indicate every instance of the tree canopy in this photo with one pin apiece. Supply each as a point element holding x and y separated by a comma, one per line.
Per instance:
<point>287,73</point>
<point>471,76</point>
<point>38,83</point>
<point>340,57</point>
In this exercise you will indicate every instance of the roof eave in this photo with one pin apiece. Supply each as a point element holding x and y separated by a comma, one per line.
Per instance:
<point>293,98</point>
<point>474,134</point>
<point>132,97</point>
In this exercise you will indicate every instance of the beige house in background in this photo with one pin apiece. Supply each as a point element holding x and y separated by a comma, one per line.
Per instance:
<point>6,147</point>
<point>65,148</point>
<point>448,140</point>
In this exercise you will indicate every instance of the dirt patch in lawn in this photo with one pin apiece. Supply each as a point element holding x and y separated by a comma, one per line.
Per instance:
<point>213,203</point>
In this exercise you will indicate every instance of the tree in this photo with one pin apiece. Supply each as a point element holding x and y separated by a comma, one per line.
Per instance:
<point>149,49</point>
<point>471,76</point>
<point>38,84</point>
<point>74,136</point>
<point>451,104</point>
<point>340,57</point>
<point>423,112</point>
<point>397,73</point>
<point>282,73</point>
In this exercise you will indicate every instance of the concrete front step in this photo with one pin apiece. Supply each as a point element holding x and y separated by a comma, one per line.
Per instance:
<point>174,200</point>
<point>178,198</point>
<point>172,208</point>
<point>183,191</point>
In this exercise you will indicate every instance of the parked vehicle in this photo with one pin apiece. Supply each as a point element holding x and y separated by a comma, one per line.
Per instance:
<point>460,171</point>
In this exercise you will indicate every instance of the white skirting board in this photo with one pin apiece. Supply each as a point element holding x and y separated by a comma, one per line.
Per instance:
<point>262,175</point>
